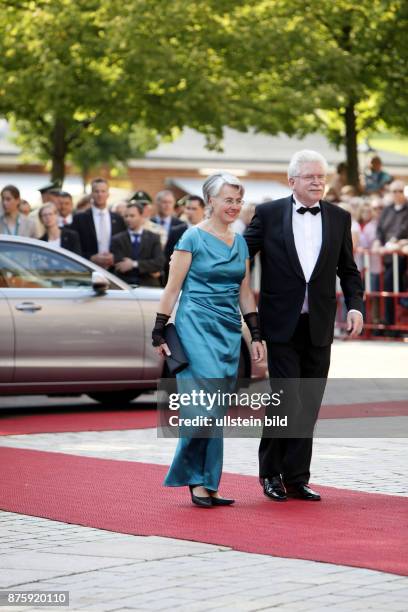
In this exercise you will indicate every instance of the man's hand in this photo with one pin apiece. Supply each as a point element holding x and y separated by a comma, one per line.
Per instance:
<point>354,323</point>
<point>105,260</point>
<point>125,265</point>
<point>257,351</point>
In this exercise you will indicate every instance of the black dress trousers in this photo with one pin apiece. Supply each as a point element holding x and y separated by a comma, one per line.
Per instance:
<point>296,359</point>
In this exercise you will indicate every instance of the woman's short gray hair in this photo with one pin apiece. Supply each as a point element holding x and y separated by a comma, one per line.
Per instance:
<point>303,157</point>
<point>213,185</point>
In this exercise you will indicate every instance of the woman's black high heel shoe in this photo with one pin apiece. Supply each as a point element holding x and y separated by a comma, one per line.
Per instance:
<point>203,502</point>
<point>221,501</point>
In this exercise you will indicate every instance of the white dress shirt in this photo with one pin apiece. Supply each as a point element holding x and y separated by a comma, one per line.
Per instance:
<point>164,222</point>
<point>103,228</point>
<point>55,243</point>
<point>307,232</point>
<point>62,221</point>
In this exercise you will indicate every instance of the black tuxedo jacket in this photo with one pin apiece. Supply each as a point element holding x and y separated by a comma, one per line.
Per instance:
<point>177,229</point>
<point>151,258</point>
<point>69,240</point>
<point>84,225</point>
<point>174,236</point>
<point>283,284</point>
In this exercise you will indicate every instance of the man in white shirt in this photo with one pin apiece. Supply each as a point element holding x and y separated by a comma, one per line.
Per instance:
<point>138,255</point>
<point>65,209</point>
<point>97,225</point>
<point>304,244</point>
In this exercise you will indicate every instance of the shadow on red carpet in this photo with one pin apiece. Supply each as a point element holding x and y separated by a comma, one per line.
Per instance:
<point>117,420</point>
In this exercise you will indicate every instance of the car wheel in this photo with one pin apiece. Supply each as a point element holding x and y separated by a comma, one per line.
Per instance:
<point>116,398</point>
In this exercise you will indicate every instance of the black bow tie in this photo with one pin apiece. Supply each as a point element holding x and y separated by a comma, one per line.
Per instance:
<point>304,209</point>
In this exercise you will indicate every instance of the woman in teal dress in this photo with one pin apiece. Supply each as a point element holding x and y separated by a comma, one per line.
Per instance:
<point>210,267</point>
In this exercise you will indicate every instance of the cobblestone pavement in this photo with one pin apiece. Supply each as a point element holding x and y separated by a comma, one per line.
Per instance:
<point>106,572</point>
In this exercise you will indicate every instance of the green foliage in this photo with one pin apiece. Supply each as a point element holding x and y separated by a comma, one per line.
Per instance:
<point>294,58</point>
<point>75,76</point>
<point>299,66</point>
<point>71,68</point>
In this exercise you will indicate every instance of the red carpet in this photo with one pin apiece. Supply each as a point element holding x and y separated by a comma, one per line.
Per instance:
<point>99,420</point>
<point>347,527</point>
<point>362,410</point>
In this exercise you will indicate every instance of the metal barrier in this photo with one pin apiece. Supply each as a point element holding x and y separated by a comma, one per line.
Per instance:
<point>386,298</point>
<point>386,294</point>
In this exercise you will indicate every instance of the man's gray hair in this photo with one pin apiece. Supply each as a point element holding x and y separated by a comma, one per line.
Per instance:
<point>303,157</point>
<point>162,194</point>
<point>213,185</point>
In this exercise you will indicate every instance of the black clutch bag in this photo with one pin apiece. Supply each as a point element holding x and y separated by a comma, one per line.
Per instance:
<point>177,361</point>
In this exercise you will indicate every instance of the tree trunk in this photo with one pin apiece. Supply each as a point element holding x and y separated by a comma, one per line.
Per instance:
<point>59,151</point>
<point>84,176</point>
<point>351,146</point>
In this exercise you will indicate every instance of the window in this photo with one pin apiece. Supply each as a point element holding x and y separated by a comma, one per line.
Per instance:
<point>25,265</point>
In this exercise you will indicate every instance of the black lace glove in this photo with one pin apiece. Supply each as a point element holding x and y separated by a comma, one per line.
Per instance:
<point>158,329</point>
<point>252,321</point>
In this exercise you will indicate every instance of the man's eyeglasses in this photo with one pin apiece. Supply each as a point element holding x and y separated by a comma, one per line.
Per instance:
<point>309,178</point>
<point>397,191</point>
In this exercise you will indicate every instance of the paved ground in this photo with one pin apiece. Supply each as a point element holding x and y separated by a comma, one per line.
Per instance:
<point>106,571</point>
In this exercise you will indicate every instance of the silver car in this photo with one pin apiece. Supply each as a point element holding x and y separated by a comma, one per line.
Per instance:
<point>68,327</point>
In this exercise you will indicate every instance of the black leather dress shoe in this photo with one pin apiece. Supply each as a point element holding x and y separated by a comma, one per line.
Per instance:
<point>274,488</point>
<point>203,502</point>
<point>302,491</point>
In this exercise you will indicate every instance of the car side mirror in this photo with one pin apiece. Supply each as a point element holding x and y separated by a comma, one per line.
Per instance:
<point>100,283</point>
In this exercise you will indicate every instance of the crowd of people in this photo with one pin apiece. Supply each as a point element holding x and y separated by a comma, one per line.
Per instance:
<point>135,238</point>
<point>379,212</point>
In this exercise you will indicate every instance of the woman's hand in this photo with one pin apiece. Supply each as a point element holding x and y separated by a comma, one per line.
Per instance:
<point>163,350</point>
<point>258,351</point>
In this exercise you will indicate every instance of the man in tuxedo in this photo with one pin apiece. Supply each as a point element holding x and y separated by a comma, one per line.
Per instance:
<point>97,225</point>
<point>304,242</point>
<point>138,254</point>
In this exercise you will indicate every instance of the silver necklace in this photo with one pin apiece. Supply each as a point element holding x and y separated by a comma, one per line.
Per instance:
<point>224,235</point>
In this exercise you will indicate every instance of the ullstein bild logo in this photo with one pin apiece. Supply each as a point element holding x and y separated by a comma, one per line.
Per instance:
<point>228,421</point>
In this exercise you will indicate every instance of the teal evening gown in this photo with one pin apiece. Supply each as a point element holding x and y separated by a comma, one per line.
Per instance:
<point>208,322</point>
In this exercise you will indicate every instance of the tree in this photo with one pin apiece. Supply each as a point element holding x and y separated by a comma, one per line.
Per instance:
<point>55,76</point>
<point>113,148</point>
<point>68,68</point>
<point>76,70</point>
<point>302,66</point>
